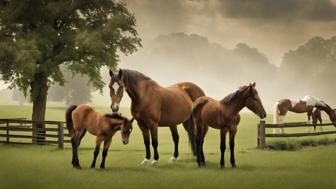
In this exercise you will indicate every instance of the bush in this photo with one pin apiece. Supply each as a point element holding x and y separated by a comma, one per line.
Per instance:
<point>293,145</point>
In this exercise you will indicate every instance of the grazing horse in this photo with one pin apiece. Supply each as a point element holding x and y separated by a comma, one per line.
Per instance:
<point>316,115</point>
<point>223,115</point>
<point>153,105</point>
<point>305,105</point>
<point>83,118</point>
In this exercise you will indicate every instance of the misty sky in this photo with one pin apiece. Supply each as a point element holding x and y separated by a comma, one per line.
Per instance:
<point>272,26</point>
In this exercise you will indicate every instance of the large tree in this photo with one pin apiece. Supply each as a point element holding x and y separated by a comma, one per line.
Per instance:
<point>37,36</point>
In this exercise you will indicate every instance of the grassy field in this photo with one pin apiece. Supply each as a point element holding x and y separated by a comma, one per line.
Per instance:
<point>23,166</point>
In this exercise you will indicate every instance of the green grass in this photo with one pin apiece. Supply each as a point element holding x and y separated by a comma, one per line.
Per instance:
<point>27,166</point>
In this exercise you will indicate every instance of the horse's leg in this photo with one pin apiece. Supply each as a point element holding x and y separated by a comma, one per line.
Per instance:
<point>75,142</point>
<point>145,134</point>
<point>81,137</point>
<point>176,137</point>
<point>199,136</point>
<point>223,132</point>
<point>153,131</point>
<point>205,131</point>
<point>96,151</point>
<point>107,144</point>
<point>309,115</point>
<point>232,134</point>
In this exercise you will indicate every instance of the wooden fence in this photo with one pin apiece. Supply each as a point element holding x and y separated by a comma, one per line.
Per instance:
<point>21,131</point>
<point>262,126</point>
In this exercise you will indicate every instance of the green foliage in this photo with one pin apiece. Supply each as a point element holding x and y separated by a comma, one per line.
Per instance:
<point>293,145</point>
<point>84,35</point>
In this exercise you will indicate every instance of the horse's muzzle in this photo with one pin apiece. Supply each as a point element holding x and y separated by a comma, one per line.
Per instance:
<point>115,108</point>
<point>262,115</point>
<point>125,142</point>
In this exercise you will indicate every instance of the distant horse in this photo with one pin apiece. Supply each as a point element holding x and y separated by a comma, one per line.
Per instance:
<point>316,115</point>
<point>153,105</point>
<point>305,105</point>
<point>223,115</point>
<point>83,118</point>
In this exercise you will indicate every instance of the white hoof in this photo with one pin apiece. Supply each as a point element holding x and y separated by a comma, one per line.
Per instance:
<point>145,161</point>
<point>155,162</point>
<point>173,159</point>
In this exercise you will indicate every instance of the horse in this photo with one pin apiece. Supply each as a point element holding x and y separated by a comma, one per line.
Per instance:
<point>223,115</point>
<point>305,105</point>
<point>316,116</point>
<point>82,118</point>
<point>155,106</point>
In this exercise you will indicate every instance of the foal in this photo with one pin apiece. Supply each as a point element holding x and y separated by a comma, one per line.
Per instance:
<point>83,118</point>
<point>223,115</point>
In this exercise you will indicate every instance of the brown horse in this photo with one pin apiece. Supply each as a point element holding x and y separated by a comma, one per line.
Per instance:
<point>153,106</point>
<point>316,115</point>
<point>305,105</point>
<point>223,115</point>
<point>83,118</point>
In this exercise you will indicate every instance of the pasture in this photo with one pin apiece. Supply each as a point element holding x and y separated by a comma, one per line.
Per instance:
<point>28,166</point>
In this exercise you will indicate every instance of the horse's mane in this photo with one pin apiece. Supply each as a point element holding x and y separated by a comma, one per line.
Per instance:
<point>229,98</point>
<point>131,77</point>
<point>115,116</point>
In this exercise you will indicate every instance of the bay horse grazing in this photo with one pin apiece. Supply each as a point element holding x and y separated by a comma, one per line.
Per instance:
<point>223,115</point>
<point>316,115</point>
<point>153,106</point>
<point>83,118</point>
<point>305,105</point>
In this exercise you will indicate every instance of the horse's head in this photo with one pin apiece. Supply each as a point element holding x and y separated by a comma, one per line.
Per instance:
<point>252,100</point>
<point>333,117</point>
<point>126,130</point>
<point>116,89</point>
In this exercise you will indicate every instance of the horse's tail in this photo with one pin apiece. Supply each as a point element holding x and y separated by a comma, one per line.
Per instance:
<point>68,119</point>
<point>276,113</point>
<point>197,106</point>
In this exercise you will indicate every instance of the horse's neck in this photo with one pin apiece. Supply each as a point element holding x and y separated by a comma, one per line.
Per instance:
<point>139,90</point>
<point>233,107</point>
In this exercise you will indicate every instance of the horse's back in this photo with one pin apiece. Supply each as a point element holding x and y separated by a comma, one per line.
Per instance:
<point>193,90</point>
<point>85,117</point>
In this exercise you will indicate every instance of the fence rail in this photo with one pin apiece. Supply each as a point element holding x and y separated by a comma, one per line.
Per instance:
<point>262,126</point>
<point>22,131</point>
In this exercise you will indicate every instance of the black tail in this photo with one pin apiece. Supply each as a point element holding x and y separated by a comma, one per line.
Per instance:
<point>198,104</point>
<point>68,118</point>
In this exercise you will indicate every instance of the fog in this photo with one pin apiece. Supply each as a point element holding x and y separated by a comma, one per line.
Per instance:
<point>287,47</point>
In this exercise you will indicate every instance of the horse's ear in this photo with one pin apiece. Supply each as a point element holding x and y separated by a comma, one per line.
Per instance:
<point>120,73</point>
<point>111,73</point>
<point>254,84</point>
<point>132,119</point>
<point>250,87</point>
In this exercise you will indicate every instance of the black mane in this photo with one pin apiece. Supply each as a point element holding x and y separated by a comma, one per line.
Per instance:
<point>229,98</point>
<point>115,116</point>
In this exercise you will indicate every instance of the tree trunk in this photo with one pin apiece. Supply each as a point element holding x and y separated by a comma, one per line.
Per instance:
<point>39,90</point>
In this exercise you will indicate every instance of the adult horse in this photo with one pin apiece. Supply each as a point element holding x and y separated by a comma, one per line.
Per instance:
<point>305,105</point>
<point>223,115</point>
<point>82,118</point>
<point>153,105</point>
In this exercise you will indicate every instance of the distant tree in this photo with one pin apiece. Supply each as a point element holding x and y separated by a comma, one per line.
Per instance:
<point>19,96</point>
<point>38,36</point>
<point>76,90</point>
<point>312,66</point>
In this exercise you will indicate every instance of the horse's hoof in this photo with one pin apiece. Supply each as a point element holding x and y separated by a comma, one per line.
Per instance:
<point>222,167</point>
<point>102,167</point>
<point>173,159</point>
<point>145,161</point>
<point>234,166</point>
<point>92,166</point>
<point>77,166</point>
<point>154,163</point>
<point>201,164</point>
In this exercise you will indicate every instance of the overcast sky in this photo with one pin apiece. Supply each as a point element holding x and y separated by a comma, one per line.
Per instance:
<point>272,26</point>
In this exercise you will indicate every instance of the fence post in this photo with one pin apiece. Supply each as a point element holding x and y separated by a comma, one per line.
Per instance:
<point>262,139</point>
<point>7,132</point>
<point>258,135</point>
<point>60,135</point>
